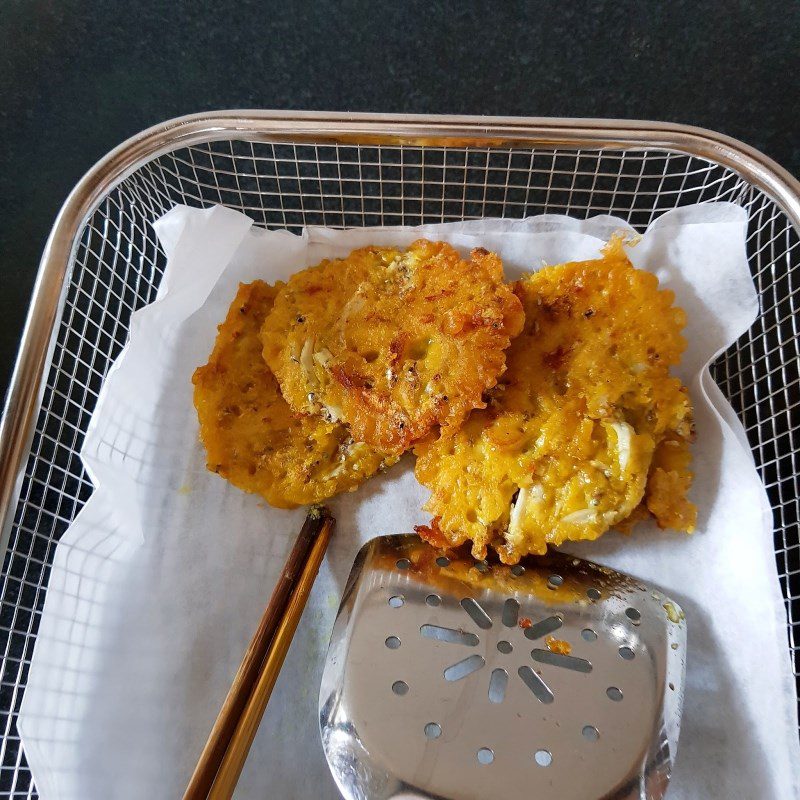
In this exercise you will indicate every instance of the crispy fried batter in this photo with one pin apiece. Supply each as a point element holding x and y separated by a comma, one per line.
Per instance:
<point>393,342</point>
<point>252,437</point>
<point>585,424</point>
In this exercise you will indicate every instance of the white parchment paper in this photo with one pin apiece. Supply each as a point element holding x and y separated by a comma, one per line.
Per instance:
<point>159,583</point>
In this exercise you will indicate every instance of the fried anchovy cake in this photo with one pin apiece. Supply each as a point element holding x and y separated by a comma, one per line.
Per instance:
<point>393,342</point>
<point>586,429</point>
<point>252,437</point>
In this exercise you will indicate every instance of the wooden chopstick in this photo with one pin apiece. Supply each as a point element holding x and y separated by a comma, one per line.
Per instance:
<point>237,722</point>
<point>245,732</point>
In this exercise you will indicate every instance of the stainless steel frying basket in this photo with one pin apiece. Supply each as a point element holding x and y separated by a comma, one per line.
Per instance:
<point>287,170</point>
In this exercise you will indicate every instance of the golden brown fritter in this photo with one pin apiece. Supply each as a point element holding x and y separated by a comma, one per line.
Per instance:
<point>392,342</point>
<point>252,437</point>
<point>585,425</point>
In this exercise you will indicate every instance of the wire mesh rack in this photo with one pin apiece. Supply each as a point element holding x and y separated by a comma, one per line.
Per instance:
<point>287,181</point>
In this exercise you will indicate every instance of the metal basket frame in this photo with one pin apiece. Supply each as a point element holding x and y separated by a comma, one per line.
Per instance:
<point>288,169</point>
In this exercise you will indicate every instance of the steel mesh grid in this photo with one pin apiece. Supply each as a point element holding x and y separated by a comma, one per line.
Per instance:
<point>117,268</point>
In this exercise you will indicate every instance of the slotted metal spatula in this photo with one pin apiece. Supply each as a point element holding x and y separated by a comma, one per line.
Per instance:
<point>451,679</point>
